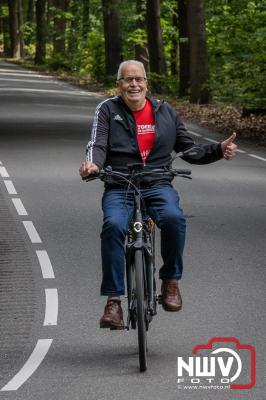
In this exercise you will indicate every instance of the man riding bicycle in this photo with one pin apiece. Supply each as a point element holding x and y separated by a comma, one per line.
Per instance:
<point>133,128</point>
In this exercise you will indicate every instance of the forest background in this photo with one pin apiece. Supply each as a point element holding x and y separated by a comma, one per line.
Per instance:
<point>207,57</point>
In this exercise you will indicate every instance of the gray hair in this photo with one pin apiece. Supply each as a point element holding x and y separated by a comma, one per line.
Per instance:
<point>122,65</point>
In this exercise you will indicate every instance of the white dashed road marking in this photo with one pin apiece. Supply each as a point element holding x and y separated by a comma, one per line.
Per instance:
<point>35,359</point>
<point>45,263</point>
<point>51,295</point>
<point>19,206</point>
<point>3,172</point>
<point>51,309</point>
<point>10,187</point>
<point>32,232</point>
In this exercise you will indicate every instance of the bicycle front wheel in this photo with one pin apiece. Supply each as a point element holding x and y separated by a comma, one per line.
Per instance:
<point>141,309</point>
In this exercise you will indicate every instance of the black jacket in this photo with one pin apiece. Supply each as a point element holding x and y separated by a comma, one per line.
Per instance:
<point>114,142</point>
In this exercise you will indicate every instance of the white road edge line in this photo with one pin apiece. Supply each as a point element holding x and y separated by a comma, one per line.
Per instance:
<point>32,232</point>
<point>45,263</point>
<point>35,359</point>
<point>51,309</point>
<point>10,187</point>
<point>19,206</point>
<point>28,80</point>
<point>60,91</point>
<point>211,140</point>
<point>23,73</point>
<point>3,172</point>
<point>195,133</point>
<point>257,157</point>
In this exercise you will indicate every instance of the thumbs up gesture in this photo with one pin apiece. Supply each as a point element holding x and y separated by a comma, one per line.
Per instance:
<point>229,147</point>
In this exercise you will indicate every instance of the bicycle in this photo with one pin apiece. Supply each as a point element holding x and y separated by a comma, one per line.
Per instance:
<point>142,297</point>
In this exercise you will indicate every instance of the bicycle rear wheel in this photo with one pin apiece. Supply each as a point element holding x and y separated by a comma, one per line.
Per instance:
<point>141,309</point>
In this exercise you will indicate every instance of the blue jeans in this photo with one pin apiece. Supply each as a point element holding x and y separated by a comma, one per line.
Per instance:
<point>162,204</point>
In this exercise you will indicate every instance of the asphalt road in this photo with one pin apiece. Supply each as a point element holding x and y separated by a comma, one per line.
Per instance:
<point>51,345</point>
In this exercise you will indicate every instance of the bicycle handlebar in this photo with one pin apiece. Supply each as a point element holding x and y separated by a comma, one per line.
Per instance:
<point>104,173</point>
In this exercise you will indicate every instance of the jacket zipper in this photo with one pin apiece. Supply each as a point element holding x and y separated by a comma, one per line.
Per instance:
<point>155,109</point>
<point>136,137</point>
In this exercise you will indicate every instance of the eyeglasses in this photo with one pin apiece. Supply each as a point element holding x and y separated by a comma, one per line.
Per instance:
<point>130,79</point>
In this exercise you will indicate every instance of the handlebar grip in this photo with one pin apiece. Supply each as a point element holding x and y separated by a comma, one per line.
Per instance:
<point>90,177</point>
<point>182,171</point>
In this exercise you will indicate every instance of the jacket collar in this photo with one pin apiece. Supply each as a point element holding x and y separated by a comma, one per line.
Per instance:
<point>154,102</point>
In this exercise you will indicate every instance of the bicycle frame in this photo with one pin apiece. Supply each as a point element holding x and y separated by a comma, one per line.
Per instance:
<point>140,237</point>
<point>139,252</point>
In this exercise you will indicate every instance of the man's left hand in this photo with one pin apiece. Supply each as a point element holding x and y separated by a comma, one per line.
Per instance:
<point>229,148</point>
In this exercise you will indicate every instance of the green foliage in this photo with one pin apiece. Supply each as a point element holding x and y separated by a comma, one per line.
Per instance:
<point>131,35</point>
<point>236,43</point>
<point>3,11</point>
<point>92,56</point>
<point>237,50</point>
<point>84,56</point>
<point>135,37</point>
<point>163,84</point>
<point>29,32</point>
<point>58,62</point>
<point>169,31</point>
<point>3,15</point>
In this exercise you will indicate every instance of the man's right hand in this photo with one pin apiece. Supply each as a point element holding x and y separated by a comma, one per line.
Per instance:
<point>88,168</point>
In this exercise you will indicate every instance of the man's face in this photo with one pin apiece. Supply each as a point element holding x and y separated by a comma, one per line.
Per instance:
<point>133,91</point>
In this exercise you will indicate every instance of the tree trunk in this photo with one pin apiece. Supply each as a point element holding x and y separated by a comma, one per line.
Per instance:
<point>49,21</point>
<point>30,11</point>
<point>112,36</point>
<point>40,32</point>
<point>59,27</point>
<point>155,41</point>
<point>141,52</point>
<point>74,31</point>
<point>6,37</point>
<point>85,19</point>
<point>20,24</point>
<point>199,91</point>
<point>183,48</point>
<point>155,45</point>
<point>1,29</point>
<point>174,46</point>
<point>14,30</point>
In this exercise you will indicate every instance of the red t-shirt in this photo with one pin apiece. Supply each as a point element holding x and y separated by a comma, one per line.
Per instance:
<point>145,129</point>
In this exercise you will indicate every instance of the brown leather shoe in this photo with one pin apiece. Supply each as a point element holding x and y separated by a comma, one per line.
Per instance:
<point>171,297</point>
<point>113,315</point>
